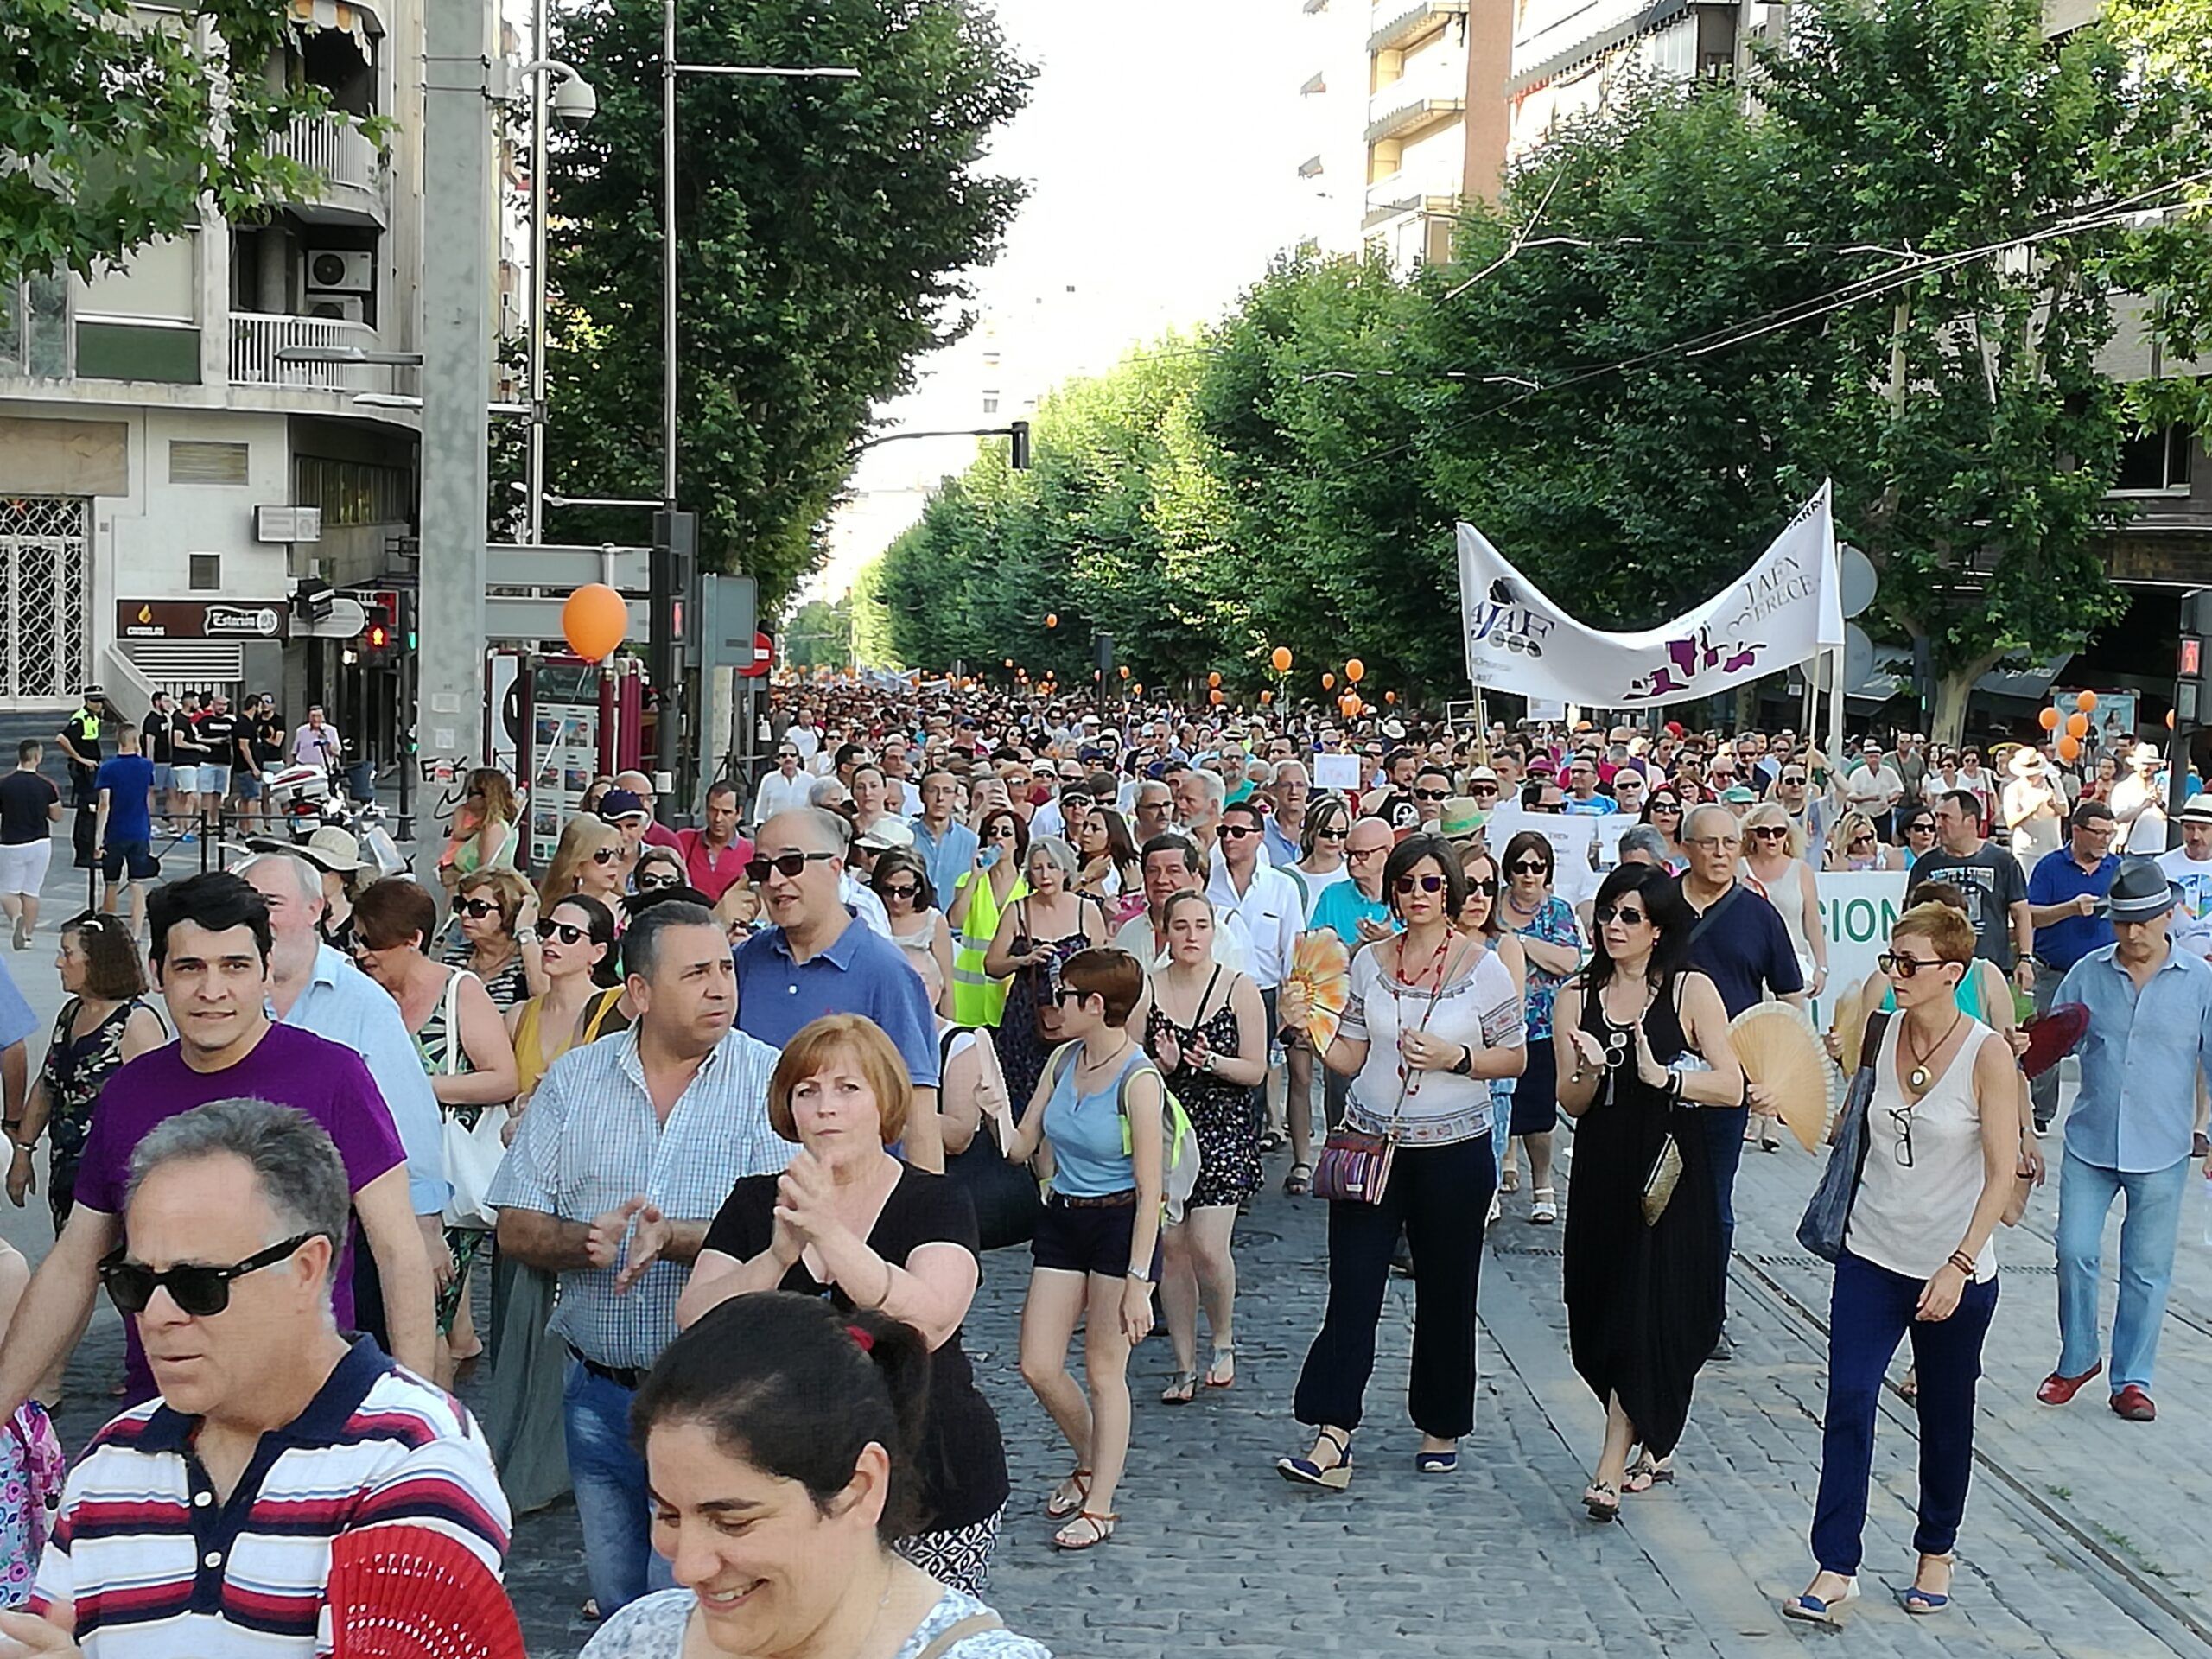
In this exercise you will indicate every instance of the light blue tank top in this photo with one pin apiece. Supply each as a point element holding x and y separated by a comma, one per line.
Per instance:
<point>1085,1133</point>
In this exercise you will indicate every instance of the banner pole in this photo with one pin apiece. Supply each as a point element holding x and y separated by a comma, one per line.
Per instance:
<point>1835,718</point>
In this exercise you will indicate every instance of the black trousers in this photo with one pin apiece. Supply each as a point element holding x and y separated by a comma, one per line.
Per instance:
<point>1441,1196</point>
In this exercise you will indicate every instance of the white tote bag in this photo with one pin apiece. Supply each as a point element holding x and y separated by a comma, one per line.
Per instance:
<point>472,1155</point>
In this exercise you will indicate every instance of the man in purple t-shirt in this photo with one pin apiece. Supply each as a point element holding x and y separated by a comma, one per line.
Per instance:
<point>211,959</point>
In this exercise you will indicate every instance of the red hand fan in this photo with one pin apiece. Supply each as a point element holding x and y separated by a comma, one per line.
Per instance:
<point>2053,1036</point>
<point>412,1592</point>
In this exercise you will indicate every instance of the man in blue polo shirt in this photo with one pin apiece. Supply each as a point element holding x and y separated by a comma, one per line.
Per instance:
<point>2066,904</point>
<point>814,960</point>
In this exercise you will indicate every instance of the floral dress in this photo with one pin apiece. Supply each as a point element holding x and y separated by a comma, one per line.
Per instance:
<point>76,1070</point>
<point>1022,1052</point>
<point>1226,1116</point>
<point>31,1471</point>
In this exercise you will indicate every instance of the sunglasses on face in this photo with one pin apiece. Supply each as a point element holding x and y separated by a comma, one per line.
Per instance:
<point>1529,867</point>
<point>787,865</point>
<point>1236,831</point>
<point>1905,967</point>
<point>1487,886</point>
<point>568,932</point>
<point>1793,776</point>
<point>904,891</point>
<point>200,1291</point>
<point>1771,832</point>
<point>1482,788</point>
<point>605,854</point>
<point>477,909</point>
<point>1658,805</point>
<point>1862,840</point>
<point>1406,884</point>
<point>653,880</point>
<point>1365,852</point>
<point>1626,915</point>
<point>1002,832</point>
<point>1432,794</point>
<point>1061,994</point>
<point>1921,827</point>
<point>1331,834</point>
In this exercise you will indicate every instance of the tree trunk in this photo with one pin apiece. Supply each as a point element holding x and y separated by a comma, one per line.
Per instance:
<point>1952,687</point>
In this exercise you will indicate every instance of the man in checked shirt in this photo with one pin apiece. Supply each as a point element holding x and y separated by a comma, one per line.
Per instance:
<point>627,1150</point>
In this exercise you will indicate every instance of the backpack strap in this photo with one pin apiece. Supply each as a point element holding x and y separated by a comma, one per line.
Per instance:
<point>953,1635</point>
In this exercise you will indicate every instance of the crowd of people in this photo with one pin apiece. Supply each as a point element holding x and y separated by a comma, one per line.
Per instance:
<point>701,1140</point>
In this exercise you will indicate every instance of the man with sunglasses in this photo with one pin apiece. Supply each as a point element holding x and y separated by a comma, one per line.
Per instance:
<point>1582,797</point>
<point>783,789</point>
<point>1740,945</point>
<point>210,953</point>
<point>1268,902</point>
<point>2066,906</point>
<point>202,1522</point>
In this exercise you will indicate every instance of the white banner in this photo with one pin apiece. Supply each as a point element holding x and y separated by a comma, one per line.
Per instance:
<point>1857,911</point>
<point>1787,607</point>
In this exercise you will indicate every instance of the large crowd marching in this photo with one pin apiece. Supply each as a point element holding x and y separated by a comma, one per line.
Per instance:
<point>700,1141</point>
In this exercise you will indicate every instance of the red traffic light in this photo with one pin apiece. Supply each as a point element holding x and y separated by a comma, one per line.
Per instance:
<point>378,636</point>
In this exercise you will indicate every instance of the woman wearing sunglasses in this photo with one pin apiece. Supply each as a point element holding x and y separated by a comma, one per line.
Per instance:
<point>658,869</point>
<point>1432,1022</point>
<point>1775,860</point>
<point>1552,941</point>
<point>497,917</point>
<point>1642,1042</point>
<point>1098,1109</point>
<point>1663,812</point>
<point>1856,848</point>
<point>591,859</point>
<point>980,897</point>
<point>1808,811</point>
<point>1943,1136</point>
<point>1917,835</point>
<point>465,1048</point>
<point>901,880</point>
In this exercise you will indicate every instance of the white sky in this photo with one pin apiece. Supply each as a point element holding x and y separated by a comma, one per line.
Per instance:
<point>1161,144</point>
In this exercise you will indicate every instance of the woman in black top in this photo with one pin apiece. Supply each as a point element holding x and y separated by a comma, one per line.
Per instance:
<point>849,1221</point>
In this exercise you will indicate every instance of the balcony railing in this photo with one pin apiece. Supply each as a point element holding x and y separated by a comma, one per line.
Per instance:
<point>1392,23</point>
<point>338,152</point>
<point>1435,89</point>
<point>256,339</point>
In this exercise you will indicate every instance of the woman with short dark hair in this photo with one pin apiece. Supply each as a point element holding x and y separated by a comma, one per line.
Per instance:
<point>1434,1018</point>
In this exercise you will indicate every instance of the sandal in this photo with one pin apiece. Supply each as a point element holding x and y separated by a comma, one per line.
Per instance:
<point>1182,1388</point>
<point>1643,1474</point>
<point>1274,1140</point>
<point>1809,1609</point>
<point>1510,1181</point>
<point>1096,1529</point>
<point>1222,1373</point>
<point>1920,1603</point>
<point>1603,1500</point>
<point>1335,1477</point>
<point>1300,1182</point>
<point>1064,1502</point>
<point>1543,1206</point>
<point>1436,1463</point>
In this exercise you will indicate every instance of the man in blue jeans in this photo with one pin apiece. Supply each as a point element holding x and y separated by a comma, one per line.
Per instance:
<point>1741,945</point>
<point>626,1153</point>
<point>2149,1040</point>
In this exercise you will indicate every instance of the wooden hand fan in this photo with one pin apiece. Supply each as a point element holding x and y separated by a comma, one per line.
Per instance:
<point>1776,1047</point>
<point>1321,967</point>
<point>413,1592</point>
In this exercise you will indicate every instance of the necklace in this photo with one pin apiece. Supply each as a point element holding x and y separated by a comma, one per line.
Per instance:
<point>1409,1080</point>
<point>1918,1079</point>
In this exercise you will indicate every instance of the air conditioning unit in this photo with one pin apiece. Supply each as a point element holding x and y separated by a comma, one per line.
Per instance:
<point>341,272</point>
<point>338,308</point>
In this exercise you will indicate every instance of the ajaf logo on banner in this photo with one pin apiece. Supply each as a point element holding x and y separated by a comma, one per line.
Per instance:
<point>1501,624</point>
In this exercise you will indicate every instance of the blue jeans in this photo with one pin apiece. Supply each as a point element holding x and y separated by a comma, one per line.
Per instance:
<point>612,1505</point>
<point>1870,1311</point>
<point>2147,1231</point>
<point>1724,1143</point>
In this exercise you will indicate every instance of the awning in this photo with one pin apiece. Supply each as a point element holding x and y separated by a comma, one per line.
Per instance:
<point>341,14</point>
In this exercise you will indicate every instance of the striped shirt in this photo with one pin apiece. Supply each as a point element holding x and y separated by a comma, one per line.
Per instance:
<point>590,1141</point>
<point>159,1566</point>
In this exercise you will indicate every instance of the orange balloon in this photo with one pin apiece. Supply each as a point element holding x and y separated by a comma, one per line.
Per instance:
<point>2170,719</point>
<point>1052,618</point>
<point>2069,748</point>
<point>1010,662</point>
<point>2077,725</point>
<point>1355,670</point>
<point>1214,696</point>
<point>1125,670</point>
<point>1390,696</point>
<point>1138,689</point>
<point>595,621</point>
<point>1267,696</point>
<point>1214,679</point>
<point>2086,702</point>
<point>1328,681</point>
<point>2049,720</point>
<point>1280,659</point>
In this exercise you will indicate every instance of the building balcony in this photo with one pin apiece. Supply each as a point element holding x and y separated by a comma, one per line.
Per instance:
<point>1392,24</point>
<point>256,339</point>
<point>1402,192</point>
<point>1434,94</point>
<point>354,173</point>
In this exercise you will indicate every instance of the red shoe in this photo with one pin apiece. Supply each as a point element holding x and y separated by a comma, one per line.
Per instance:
<point>2133,1404</point>
<point>2056,1390</point>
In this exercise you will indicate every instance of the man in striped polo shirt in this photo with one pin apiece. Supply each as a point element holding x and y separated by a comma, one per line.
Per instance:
<point>201,1523</point>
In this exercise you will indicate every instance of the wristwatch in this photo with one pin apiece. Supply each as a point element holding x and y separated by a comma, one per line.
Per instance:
<point>1141,1276</point>
<point>526,936</point>
<point>1465,1064</point>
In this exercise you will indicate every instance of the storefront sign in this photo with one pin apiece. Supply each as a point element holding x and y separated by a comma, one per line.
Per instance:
<point>196,618</point>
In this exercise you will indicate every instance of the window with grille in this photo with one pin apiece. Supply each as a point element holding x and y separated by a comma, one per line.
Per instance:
<point>43,598</point>
<point>203,460</point>
<point>206,573</point>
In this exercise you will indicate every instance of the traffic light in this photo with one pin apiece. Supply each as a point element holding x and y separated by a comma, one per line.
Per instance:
<point>1019,432</point>
<point>380,631</point>
<point>2189,703</point>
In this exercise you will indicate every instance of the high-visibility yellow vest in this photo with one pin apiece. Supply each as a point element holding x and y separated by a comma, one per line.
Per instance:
<point>977,999</point>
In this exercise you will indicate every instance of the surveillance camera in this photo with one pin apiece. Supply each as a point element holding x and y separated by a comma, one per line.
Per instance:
<point>573,100</point>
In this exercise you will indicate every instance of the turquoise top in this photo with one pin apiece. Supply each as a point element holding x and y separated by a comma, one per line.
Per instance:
<point>1968,995</point>
<point>1085,1133</point>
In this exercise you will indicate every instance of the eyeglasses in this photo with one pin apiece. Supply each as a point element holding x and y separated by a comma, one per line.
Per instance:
<point>477,909</point>
<point>904,891</point>
<point>1905,967</point>
<point>1406,884</point>
<point>1236,831</point>
<point>1920,827</point>
<point>605,854</point>
<point>1529,866</point>
<point>1862,840</point>
<point>788,754</point>
<point>1622,914</point>
<point>1432,794</point>
<point>1002,832</point>
<point>1901,1120</point>
<point>1487,886</point>
<point>1771,831</point>
<point>1793,776</point>
<point>1706,843</point>
<point>654,880</point>
<point>1659,803</point>
<point>787,865</point>
<point>1331,834</point>
<point>1365,852</point>
<point>568,932</point>
<point>1482,788</point>
<point>200,1291</point>
<point>1062,993</point>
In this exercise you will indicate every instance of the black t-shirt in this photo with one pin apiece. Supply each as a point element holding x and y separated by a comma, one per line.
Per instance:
<point>25,797</point>
<point>1992,882</point>
<point>219,733</point>
<point>962,1461</point>
<point>153,738</point>
<point>184,739</point>
<point>1745,950</point>
<point>269,741</point>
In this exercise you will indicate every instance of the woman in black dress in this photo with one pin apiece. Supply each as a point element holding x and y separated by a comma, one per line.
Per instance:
<point>848,1221</point>
<point>1642,1041</point>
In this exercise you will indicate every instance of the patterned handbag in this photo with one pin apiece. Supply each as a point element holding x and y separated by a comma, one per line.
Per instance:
<point>1354,1166</point>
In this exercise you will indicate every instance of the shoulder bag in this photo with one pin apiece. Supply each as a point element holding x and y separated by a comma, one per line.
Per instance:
<point>473,1149</point>
<point>1353,1165</point>
<point>1827,1216</point>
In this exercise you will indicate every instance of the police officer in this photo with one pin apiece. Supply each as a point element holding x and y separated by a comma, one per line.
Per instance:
<point>80,742</point>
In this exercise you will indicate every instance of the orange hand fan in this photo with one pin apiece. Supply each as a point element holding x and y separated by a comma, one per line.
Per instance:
<point>1321,967</point>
